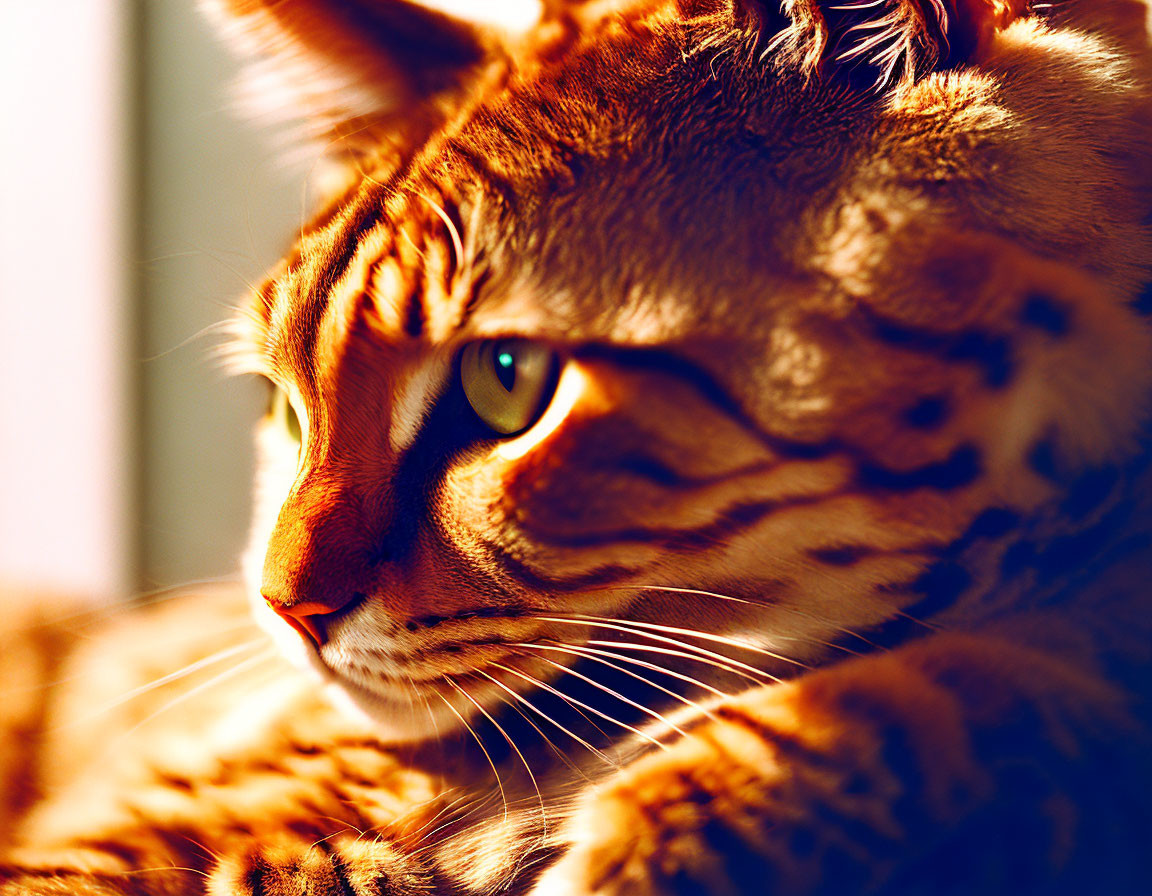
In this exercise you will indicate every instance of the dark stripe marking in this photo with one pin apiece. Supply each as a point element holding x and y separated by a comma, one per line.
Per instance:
<point>990,524</point>
<point>786,744</point>
<point>339,869</point>
<point>1143,302</point>
<point>658,361</point>
<point>961,468</point>
<point>646,467</point>
<point>532,579</point>
<point>941,585</point>
<point>729,522</point>
<point>1090,490</point>
<point>1045,314</point>
<point>991,352</point>
<point>1042,460</point>
<point>929,412</point>
<point>415,316</point>
<point>842,555</point>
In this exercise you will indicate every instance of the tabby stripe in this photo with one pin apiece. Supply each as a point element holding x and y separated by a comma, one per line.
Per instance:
<point>475,289</point>
<point>991,352</point>
<point>476,160</point>
<point>851,554</point>
<point>415,316</point>
<point>603,575</point>
<point>367,214</point>
<point>959,469</point>
<point>746,866</point>
<point>339,869</point>
<point>731,521</point>
<point>254,877</point>
<point>962,467</point>
<point>1143,302</point>
<point>646,467</point>
<point>658,361</point>
<point>785,744</point>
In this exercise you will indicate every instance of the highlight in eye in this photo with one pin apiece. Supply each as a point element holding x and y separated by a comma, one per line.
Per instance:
<point>508,381</point>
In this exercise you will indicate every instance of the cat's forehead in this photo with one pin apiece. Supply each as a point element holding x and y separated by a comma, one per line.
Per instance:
<point>628,193</point>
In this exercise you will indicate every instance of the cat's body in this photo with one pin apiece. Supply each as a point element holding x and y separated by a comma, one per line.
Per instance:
<point>807,413</point>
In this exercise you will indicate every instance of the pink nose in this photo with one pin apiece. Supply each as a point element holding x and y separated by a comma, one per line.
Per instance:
<point>306,618</point>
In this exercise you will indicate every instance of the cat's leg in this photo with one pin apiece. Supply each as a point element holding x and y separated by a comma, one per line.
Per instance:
<point>280,865</point>
<point>338,866</point>
<point>960,764</point>
<point>91,872</point>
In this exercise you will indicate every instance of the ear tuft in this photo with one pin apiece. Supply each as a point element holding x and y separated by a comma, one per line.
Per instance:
<point>364,78</point>
<point>873,43</point>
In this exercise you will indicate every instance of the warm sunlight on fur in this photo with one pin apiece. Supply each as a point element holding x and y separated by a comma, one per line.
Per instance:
<point>707,453</point>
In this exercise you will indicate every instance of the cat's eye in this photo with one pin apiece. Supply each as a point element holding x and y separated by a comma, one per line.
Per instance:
<point>282,413</point>
<point>507,381</point>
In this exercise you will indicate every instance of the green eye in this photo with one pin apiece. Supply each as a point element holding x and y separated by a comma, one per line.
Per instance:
<point>283,413</point>
<point>507,381</point>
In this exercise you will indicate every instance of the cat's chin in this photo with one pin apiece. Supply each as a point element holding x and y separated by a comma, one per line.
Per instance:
<point>396,719</point>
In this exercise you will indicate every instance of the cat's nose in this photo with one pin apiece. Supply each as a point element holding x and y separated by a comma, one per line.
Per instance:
<point>319,557</point>
<point>311,618</point>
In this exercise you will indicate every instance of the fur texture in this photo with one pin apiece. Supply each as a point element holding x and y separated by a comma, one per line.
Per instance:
<point>820,566</point>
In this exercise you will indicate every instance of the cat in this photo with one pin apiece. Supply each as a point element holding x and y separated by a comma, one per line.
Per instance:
<point>707,453</point>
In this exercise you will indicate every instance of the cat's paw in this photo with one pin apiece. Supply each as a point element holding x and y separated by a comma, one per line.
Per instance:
<point>686,821</point>
<point>338,866</point>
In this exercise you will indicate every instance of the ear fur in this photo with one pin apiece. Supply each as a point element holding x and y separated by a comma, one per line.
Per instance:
<point>367,77</point>
<point>873,43</point>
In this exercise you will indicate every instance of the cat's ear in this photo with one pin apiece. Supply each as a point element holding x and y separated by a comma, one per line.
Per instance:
<point>874,43</point>
<point>362,77</point>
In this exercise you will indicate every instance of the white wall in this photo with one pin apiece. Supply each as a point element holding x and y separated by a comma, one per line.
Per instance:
<point>65,442</point>
<point>219,208</point>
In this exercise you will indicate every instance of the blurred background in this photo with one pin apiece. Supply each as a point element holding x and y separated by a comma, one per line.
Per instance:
<point>135,209</point>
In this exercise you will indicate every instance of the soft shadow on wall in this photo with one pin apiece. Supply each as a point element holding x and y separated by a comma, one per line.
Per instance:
<point>135,210</point>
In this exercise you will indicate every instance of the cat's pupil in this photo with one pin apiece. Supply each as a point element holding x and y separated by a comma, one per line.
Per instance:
<point>506,370</point>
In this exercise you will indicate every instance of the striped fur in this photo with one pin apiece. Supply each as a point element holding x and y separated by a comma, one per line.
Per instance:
<point>823,568</point>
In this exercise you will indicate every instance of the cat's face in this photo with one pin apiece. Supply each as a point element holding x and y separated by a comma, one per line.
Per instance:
<point>661,338</point>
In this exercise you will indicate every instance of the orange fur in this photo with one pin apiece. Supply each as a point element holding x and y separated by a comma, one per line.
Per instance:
<point>820,568</point>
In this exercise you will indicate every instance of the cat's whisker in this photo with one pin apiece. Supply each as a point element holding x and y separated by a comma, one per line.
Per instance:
<point>607,690</point>
<point>217,328</point>
<point>104,611</point>
<point>158,868</point>
<point>682,654</point>
<point>704,636</point>
<point>570,699</point>
<point>474,804</point>
<point>210,660</point>
<point>702,654</point>
<point>413,690</point>
<point>767,604</point>
<point>631,660</point>
<point>449,806</point>
<point>535,682</point>
<point>600,656</point>
<point>544,737</point>
<point>511,743</point>
<point>931,626</point>
<point>454,233</point>
<point>480,743</point>
<point>224,676</point>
